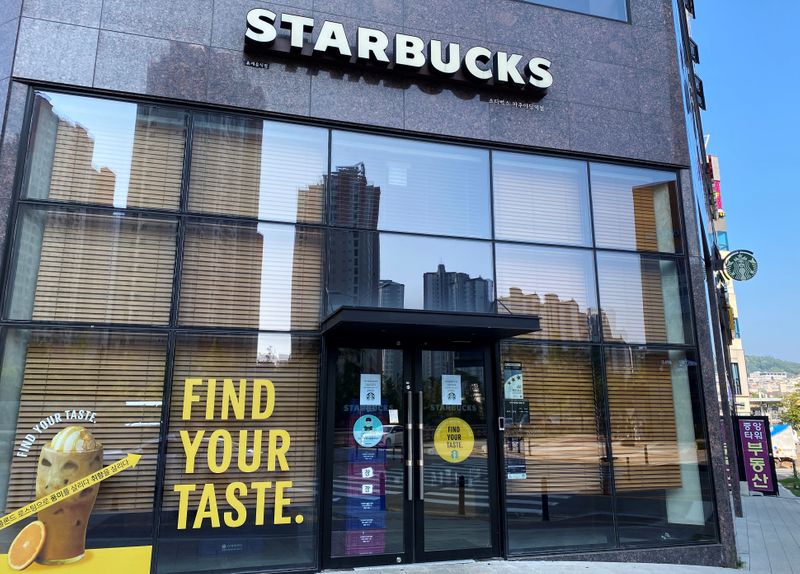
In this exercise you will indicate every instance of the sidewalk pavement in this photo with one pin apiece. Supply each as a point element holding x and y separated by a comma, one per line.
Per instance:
<point>767,539</point>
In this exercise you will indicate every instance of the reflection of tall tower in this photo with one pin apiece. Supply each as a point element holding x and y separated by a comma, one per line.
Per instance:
<point>453,291</point>
<point>392,294</point>
<point>354,256</point>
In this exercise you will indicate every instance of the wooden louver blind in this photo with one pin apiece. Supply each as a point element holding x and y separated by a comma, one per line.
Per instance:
<point>540,199</point>
<point>106,269</point>
<point>226,165</point>
<point>296,386</point>
<point>627,214</point>
<point>557,285</point>
<point>266,276</point>
<point>632,299</point>
<point>144,160</point>
<point>121,378</point>
<point>642,409</point>
<point>252,168</point>
<point>561,445</point>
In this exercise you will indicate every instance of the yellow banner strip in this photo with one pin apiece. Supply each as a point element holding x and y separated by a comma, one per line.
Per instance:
<point>122,464</point>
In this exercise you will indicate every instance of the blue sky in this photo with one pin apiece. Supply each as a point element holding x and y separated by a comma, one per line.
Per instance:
<point>749,55</point>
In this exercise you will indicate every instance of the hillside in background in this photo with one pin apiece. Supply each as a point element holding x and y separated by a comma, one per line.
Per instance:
<point>765,363</point>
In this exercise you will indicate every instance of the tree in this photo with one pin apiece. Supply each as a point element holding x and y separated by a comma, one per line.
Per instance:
<point>790,409</point>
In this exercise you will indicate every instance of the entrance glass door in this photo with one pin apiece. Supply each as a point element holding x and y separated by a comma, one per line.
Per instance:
<point>454,504</point>
<point>409,475</point>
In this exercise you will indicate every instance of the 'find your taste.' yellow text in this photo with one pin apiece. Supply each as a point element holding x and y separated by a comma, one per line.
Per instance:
<point>246,400</point>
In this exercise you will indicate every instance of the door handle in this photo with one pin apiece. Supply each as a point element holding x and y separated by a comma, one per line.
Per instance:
<point>501,424</point>
<point>421,460</point>
<point>409,448</point>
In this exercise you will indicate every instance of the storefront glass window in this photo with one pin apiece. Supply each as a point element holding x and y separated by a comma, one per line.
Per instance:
<point>240,488</point>
<point>557,477</point>
<point>615,9</point>
<point>394,184</point>
<point>541,199</point>
<point>259,275</point>
<point>370,269</point>
<point>556,284</point>
<point>105,152</point>
<point>643,299</point>
<point>83,267</point>
<point>253,168</point>
<point>661,469</point>
<point>635,209</point>
<point>104,387</point>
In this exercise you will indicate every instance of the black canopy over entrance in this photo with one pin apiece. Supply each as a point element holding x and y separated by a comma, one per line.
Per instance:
<point>441,326</point>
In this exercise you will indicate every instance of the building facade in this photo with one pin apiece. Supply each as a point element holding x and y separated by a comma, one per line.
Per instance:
<point>338,284</point>
<point>738,364</point>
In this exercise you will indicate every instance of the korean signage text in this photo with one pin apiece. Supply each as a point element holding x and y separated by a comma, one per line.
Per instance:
<point>755,454</point>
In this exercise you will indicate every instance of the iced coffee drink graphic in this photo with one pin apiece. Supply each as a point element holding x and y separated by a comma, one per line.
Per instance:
<point>71,455</point>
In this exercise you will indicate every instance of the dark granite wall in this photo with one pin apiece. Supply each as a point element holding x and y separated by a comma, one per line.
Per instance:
<point>10,11</point>
<point>616,89</point>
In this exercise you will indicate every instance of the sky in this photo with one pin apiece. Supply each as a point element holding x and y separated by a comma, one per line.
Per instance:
<point>749,54</point>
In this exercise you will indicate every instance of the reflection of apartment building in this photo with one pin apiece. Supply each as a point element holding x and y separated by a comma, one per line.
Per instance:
<point>453,291</point>
<point>738,366</point>
<point>354,257</point>
<point>559,319</point>
<point>392,294</point>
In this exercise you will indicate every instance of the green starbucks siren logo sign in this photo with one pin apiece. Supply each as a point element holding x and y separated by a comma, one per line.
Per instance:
<point>741,265</point>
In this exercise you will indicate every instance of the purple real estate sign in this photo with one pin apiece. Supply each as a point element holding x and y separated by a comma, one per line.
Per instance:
<point>755,452</point>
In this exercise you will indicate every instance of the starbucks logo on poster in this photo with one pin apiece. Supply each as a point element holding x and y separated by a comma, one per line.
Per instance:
<point>368,431</point>
<point>741,265</point>
<point>454,440</point>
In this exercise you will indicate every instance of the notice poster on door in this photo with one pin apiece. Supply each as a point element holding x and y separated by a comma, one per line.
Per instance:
<point>513,383</point>
<point>451,390</point>
<point>370,389</point>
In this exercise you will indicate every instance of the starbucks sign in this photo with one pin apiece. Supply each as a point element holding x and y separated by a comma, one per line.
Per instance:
<point>740,265</point>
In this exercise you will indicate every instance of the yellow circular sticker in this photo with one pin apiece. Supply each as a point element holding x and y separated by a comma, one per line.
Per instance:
<point>454,440</point>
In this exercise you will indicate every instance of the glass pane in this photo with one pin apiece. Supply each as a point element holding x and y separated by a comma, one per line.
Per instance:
<point>90,150</point>
<point>92,268</point>
<point>557,491</point>
<point>98,395</point>
<point>456,508</point>
<point>541,199</point>
<point>266,276</point>
<point>643,300</point>
<point>240,489</point>
<point>402,185</point>
<point>661,468</point>
<point>556,284</point>
<point>368,269</point>
<point>368,454</point>
<point>616,9</point>
<point>635,209</point>
<point>254,168</point>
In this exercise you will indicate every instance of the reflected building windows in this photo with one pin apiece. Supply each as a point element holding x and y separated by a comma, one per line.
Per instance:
<point>265,276</point>
<point>105,152</point>
<point>372,269</point>
<point>259,169</point>
<point>555,284</point>
<point>394,184</point>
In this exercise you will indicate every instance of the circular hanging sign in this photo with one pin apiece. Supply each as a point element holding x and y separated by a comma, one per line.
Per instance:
<point>454,440</point>
<point>368,431</point>
<point>740,265</point>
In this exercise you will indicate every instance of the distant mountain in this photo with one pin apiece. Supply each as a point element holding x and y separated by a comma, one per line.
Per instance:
<point>766,363</point>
